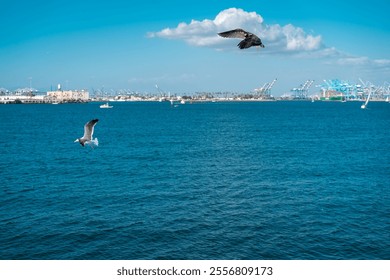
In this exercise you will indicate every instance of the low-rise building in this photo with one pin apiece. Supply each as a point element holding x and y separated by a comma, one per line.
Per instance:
<point>68,95</point>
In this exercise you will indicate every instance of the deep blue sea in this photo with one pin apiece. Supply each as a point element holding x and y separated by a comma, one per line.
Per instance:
<point>236,180</point>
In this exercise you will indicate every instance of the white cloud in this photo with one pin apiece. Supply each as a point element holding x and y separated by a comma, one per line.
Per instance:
<point>278,38</point>
<point>383,62</point>
<point>353,61</point>
<point>364,62</point>
<point>204,33</point>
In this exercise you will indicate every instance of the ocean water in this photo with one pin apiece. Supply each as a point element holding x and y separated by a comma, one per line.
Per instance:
<point>261,180</point>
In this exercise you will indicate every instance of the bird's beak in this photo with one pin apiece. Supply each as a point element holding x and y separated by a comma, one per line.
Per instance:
<point>77,140</point>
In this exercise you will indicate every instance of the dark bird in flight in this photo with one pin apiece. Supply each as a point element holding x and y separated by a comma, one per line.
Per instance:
<point>250,39</point>
<point>88,133</point>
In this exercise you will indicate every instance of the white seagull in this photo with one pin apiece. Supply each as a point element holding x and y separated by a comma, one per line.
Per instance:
<point>88,133</point>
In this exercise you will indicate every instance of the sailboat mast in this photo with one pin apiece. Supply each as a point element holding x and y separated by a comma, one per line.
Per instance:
<point>369,95</point>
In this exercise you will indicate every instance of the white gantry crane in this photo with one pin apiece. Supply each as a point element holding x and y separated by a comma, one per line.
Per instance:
<point>265,90</point>
<point>163,95</point>
<point>302,91</point>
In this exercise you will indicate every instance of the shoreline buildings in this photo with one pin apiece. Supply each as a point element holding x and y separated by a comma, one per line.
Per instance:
<point>67,95</point>
<point>58,96</point>
<point>330,90</point>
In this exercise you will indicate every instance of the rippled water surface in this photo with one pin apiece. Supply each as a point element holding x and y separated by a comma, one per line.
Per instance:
<point>270,180</point>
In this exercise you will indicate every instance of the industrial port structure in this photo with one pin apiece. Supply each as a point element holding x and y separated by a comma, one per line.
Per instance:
<point>328,90</point>
<point>343,90</point>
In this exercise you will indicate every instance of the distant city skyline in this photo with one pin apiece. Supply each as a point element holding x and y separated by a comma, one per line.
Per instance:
<point>132,45</point>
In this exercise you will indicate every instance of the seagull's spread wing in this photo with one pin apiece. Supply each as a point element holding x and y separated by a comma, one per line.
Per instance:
<point>235,33</point>
<point>88,129</point>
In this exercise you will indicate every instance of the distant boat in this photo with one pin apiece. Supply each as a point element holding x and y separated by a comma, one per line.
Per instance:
<point>364,106</point>
<point>387,99</point>
<point>106,106</point>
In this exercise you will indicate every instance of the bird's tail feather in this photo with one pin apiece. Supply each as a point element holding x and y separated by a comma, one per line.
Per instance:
<point>95,142</point>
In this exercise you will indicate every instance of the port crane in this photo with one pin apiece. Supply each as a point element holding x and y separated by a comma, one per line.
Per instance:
<point>163,94</point>
<point>265,90</point>
<point>368,88</point>
<point>302,91</point>
<point>337,87</point>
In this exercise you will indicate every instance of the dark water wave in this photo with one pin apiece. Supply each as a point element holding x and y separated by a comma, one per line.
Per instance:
<point>279,180</point>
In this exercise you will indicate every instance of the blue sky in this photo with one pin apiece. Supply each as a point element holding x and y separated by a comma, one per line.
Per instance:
<point>137,44</point>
